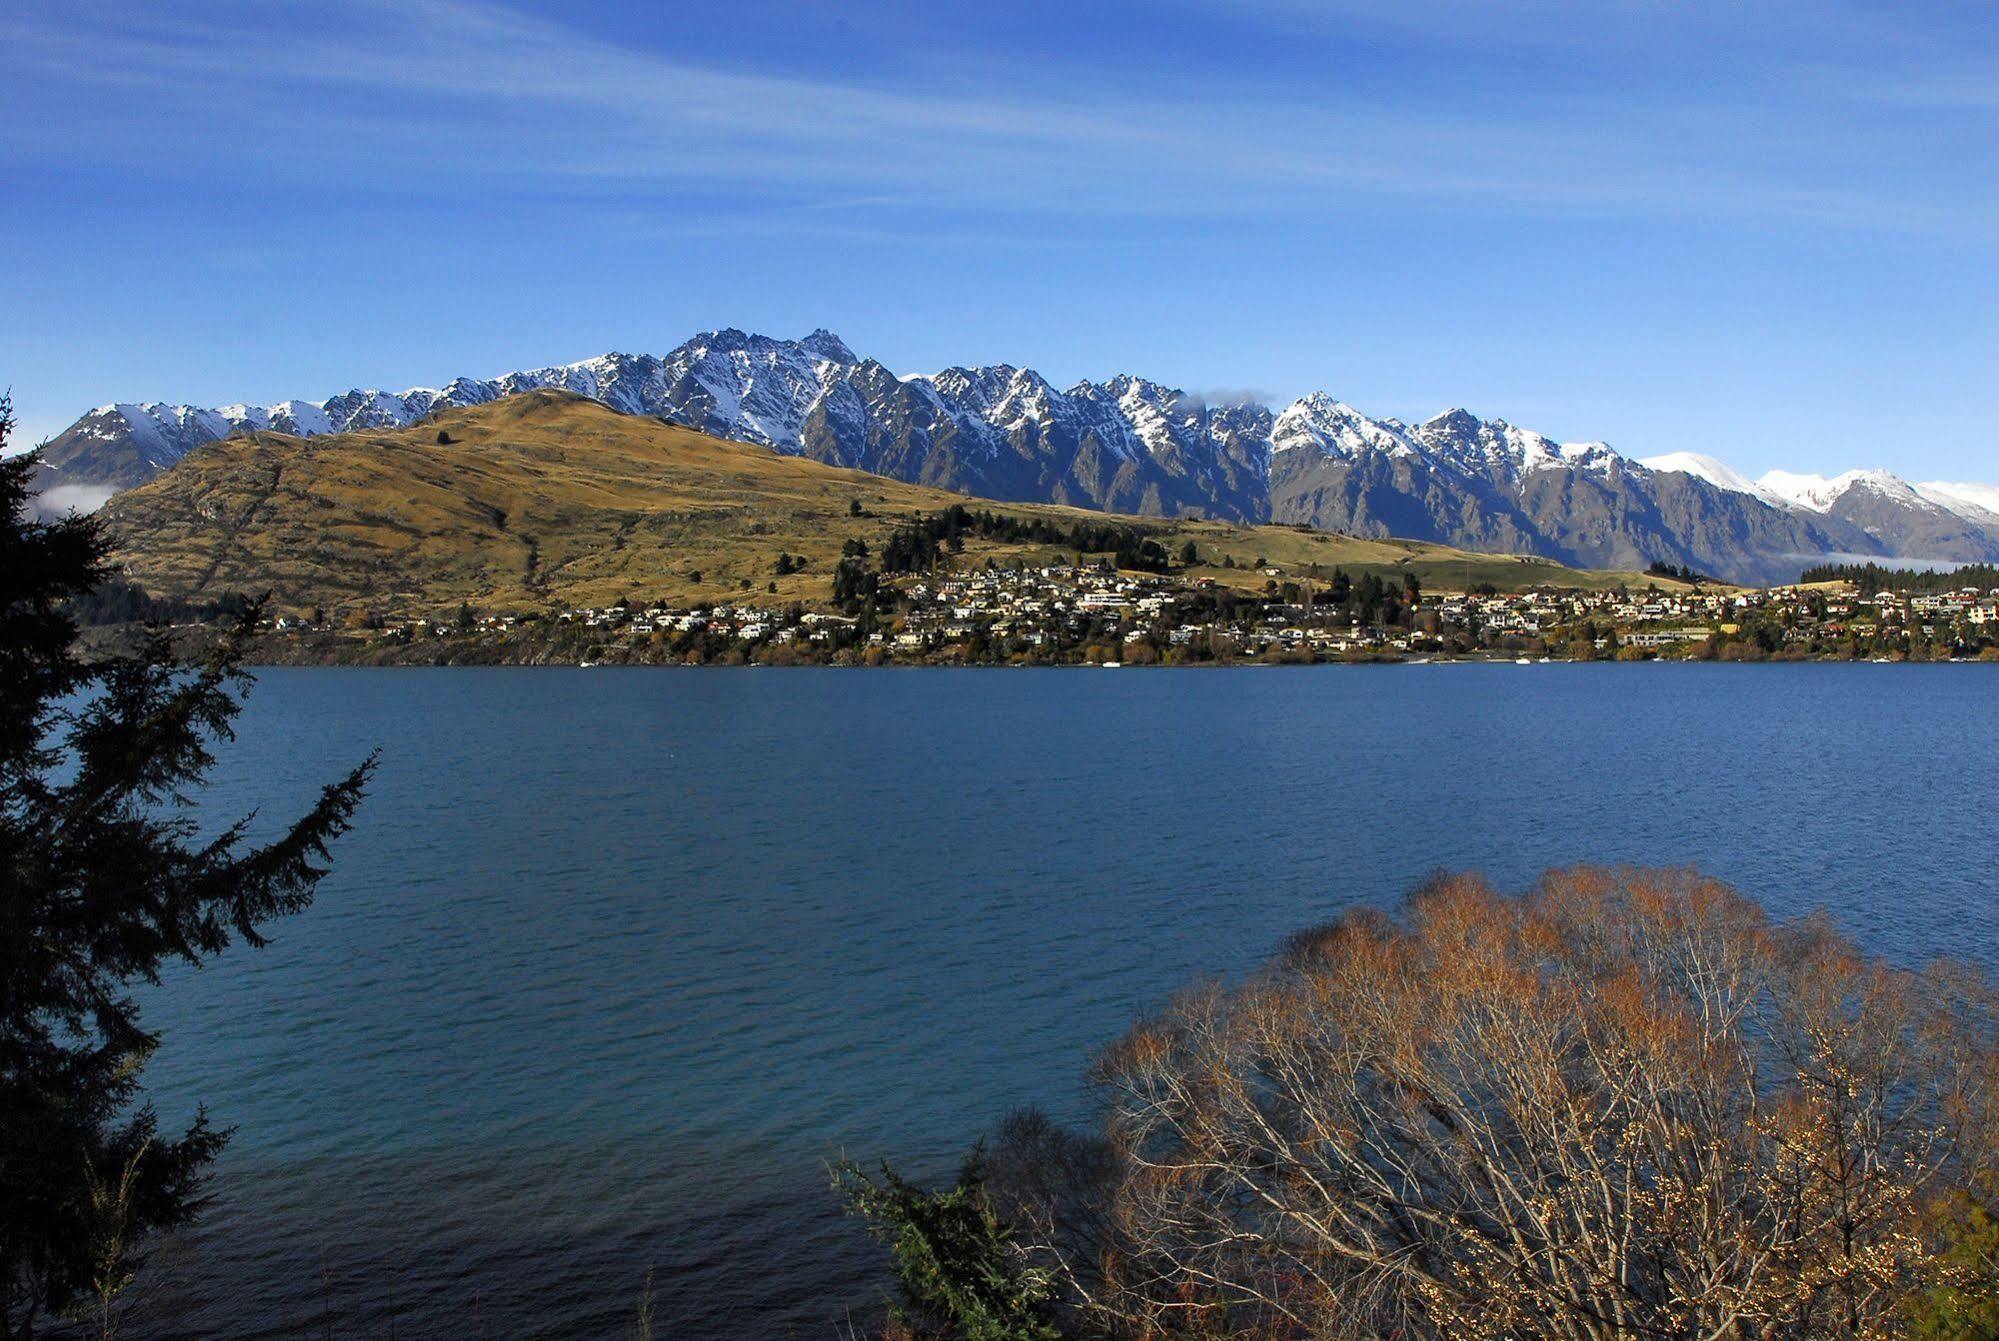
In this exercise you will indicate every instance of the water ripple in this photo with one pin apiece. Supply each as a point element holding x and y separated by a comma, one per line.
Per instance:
<point>616,960</point>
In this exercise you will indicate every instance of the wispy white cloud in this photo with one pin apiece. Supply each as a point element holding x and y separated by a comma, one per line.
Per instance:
<point>1236,395</point>
<point>65,499</point>
<point>469,94</point>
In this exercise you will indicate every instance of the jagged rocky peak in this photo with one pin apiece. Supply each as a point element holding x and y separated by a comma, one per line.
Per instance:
<point>1592,455</point>
<point>727,340</point>
<point>976,388</point>
<point>1143,401</point>
<point>823,344</point>
<point>1494,445</point>
<point>1458,422</point>
<point>1320,408</point>
<point>1465,440</point>
<point>1026,395</point>
<point>820,346</point>
<point>1335,428</point>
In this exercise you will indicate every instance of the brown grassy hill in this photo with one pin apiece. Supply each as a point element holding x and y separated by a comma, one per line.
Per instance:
<point>549,500</point>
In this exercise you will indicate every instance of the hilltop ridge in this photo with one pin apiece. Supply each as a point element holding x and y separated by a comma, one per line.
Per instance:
<point>1137,446</point>
<point>549,499</point>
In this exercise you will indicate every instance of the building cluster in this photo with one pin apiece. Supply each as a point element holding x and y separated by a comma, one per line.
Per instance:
<point>1095,613</point>
<point>738,623</point>
<point>1060,609</point>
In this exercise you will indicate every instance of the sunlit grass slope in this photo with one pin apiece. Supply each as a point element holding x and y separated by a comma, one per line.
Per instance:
<point>550,500</point>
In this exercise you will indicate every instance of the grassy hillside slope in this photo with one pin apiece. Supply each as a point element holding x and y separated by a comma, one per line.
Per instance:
<point>551,501</point>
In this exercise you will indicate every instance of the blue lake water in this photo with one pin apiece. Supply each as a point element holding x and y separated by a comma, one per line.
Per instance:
<point>616,960</point>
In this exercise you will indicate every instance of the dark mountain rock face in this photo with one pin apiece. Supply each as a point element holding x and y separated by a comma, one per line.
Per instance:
<point>1130,445</point>
<point>1486,485</point>
<point>1890,513</point>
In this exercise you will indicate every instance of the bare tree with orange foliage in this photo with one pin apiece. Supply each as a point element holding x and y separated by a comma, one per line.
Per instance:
<point>1622,1105</point>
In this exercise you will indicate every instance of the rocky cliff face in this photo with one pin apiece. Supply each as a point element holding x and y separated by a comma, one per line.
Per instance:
<point>1488,485</point>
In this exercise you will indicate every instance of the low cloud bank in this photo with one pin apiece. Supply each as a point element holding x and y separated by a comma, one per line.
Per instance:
<point>1235,395</point>
<point>65,499</point>
<point>1900,564</point>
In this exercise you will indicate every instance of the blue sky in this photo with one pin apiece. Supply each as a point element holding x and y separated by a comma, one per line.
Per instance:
<point>1764,231</point>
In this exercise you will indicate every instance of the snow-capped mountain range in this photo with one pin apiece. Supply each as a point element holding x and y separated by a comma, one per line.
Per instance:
<point>1816,493</point>
<point>1132,445</point>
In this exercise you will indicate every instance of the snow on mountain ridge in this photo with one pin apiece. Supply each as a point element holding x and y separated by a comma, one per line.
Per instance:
<point>1977,503</point>
<point>781,393</point>
<point>1506,453</point>
<point>1717,473</point>
<point>1816,493</point>
<point>1813,493</point>
<point>1335,428</point>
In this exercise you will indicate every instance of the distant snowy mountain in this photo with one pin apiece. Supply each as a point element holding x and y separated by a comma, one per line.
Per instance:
<point>1973,502</point>
<point>1922,523</point>
<point>1977,503</point>
<point>1132,445</point>
<point>1715,473</point>
<point>1816,493</point>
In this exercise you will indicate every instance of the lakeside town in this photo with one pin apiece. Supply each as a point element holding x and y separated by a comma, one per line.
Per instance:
<point>1098,614</point>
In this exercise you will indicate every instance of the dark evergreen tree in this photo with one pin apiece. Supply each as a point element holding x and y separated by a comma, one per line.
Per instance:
<point>104,880</point>
<point>116,601</point>
<point>853,584</point>
<point>960,1277</point>
<point>1870,579</point>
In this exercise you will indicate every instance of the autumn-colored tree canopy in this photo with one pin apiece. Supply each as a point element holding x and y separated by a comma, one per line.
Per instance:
<point>1624,1104</point>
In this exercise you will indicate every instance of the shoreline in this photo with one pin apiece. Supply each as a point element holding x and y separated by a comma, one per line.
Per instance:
<point>476,649</point>
<point>258,663</point>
